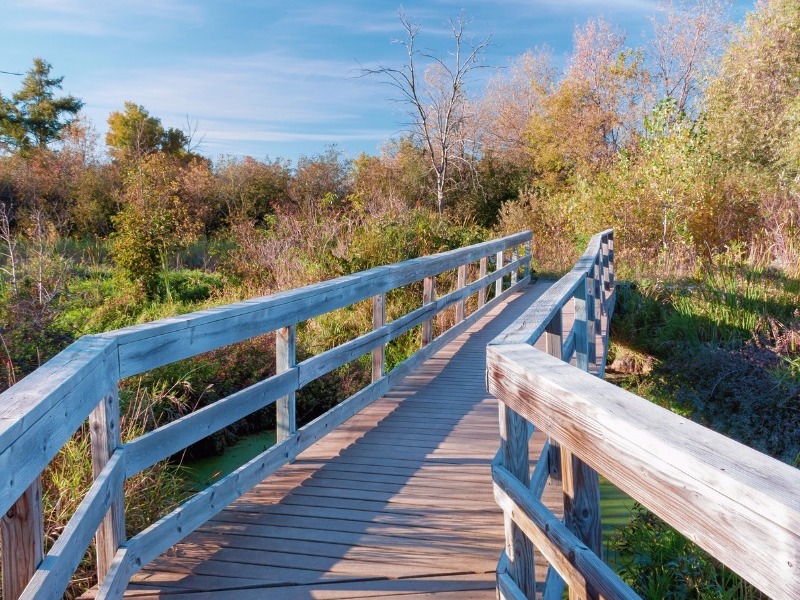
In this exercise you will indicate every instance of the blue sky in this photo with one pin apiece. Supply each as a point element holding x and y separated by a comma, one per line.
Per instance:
<point>265,78</point>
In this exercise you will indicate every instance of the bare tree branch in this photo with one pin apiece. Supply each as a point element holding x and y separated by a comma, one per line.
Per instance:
<point>435,95</point>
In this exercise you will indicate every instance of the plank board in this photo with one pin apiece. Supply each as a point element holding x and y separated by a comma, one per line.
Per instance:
<point>396,502</point>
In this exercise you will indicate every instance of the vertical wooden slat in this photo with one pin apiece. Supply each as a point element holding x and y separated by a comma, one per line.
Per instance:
<point>610,254</point>
<point>579,326</point>
<point>591,340</point>
<point>527,271</point>
<point>22,534</point>
<point>481,275</point>
<point>378,320</point>
<point>599,293</point>
<point>514,456</point>
<point>581,487</point>
<point>514,257</point>
<point>553,344</point>
<point>461,282</point>
<point>498,285</point>
<point>285,350</point>
<point>104,427</point>
<point>428,296</point>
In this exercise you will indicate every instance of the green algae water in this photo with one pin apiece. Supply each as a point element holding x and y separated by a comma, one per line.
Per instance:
<point>615,511</point>
<point>206,471</point>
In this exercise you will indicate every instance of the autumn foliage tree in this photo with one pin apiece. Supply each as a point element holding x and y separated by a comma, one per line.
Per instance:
<point>154,222</point>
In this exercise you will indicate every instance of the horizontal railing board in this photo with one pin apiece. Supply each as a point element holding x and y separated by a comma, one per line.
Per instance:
<point>29,399</point>
<point>574,561</point>
<point>532,323</point>
<point>37,441</point>
<point>54,573</point>
<point>728,498</point>
<point>155,344</point>
<point>161,443</point>
<point>325,362</point>
<point>156,539</point>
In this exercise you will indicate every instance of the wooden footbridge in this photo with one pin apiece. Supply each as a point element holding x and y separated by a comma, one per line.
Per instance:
<point>409,488</point>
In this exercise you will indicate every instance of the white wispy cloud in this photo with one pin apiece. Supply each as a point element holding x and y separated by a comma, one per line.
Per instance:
<point>97,17</point>
<point>266,97</point>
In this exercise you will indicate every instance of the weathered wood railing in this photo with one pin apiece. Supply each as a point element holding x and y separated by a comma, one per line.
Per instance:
<point>40,414</point>
<point>741,506</point>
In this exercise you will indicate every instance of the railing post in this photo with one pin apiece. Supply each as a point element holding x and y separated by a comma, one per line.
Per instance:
<point>428,296</point>
<point>591,336</point>
<point>610,259</point>
<point>527,271</point>
<point>378,320</point>
<point>599,294</point>
<point>104,427</point>
<point>553,345</point>
<point>498,285</point>
<point>581,486</point>
<point>481,275</point>
<point>514,257</point>
<point>514,456</point>
<point>580,327</point>
<point>285,349</point>
<point>22,535</point>
<point>461,304</point>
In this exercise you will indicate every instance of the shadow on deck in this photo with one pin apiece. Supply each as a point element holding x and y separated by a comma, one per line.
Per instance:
<point>397,501</point>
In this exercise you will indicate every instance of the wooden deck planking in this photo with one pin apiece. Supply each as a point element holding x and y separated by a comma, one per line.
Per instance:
<point>396,502</point>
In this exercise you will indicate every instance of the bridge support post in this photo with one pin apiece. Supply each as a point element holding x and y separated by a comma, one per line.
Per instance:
<point>481,275</point>
<point>22,535</point>
<point>378,320</point>
<point>498,285</point>
<point>514,455</point>
<point>461,304</point>
<point>428,296</point>
<point>285,348</point>
<point>514,257</point>
<point>104,426</point>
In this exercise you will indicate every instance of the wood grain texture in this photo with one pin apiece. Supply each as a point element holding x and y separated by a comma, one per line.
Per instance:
<point>21,530</point>
<point>398,496</point>
<point>41,412</point>
<point>730,499</point>
<point>104,427</point>
<point>285,408</point>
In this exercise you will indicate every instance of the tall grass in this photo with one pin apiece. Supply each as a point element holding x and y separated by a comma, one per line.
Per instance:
<point>725,345</point>
<point>148,495</point>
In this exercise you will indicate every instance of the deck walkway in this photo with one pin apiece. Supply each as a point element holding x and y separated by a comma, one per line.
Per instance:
<point>397,502</point>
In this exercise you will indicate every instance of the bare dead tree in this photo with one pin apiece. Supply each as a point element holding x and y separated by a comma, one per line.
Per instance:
<point>441,117</point>
<point>687,34</point>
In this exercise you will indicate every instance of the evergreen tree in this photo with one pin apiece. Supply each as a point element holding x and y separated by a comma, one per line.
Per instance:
<point>34,117</point>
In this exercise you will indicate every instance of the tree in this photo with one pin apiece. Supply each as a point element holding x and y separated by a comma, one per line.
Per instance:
<point>34,117</point>
<point>512,99</point>
<point>594,111</point>
<point>687,35</point>
<point>156,220</point>
<point>752,101</point>
<point>134,133</point>
<point>441,117</point>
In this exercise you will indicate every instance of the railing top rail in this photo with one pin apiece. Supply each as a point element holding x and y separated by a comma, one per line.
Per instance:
<point>730,499</point>
<point>143,347</point>
<point>41,412</point>
<point>531,324</point>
